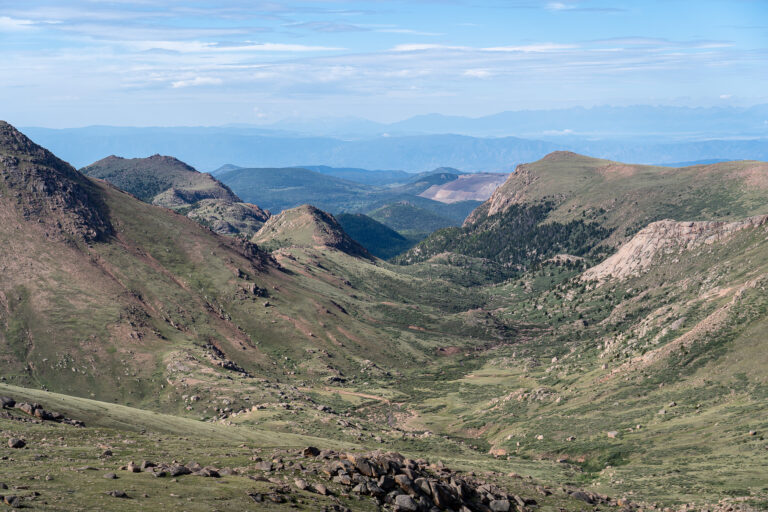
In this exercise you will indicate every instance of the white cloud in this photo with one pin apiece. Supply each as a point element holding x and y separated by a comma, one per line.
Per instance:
<point>478,73</point>
<point>198,80</point>
<point>425,47</point>
<point>408,31</point>
<point>726,96</point>
<point>559,6</point>
<point>205,47</point>
<point>534,48</point>
<point>8,23</point>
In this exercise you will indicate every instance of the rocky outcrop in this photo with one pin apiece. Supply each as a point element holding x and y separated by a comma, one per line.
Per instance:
<point>510,192</point>
<point>467,187</point>
<point>665,237</point>
<point>49,191</point>
<point>36,411</point>
<point>228,218</point>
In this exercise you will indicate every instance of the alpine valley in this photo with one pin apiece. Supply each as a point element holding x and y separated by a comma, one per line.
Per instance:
<point>590,337</point>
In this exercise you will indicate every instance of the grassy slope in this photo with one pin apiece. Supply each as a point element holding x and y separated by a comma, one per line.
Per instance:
<point>149,179</point>
<point>627,197</point>
<point>380,240</point>
<point>593,206</point>
<point>701,448</point>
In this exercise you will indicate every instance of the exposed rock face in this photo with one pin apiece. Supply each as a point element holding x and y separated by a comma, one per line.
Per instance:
<point>509,193</point>
<point>227,218</point>
<point>468,187</point>
<point>49,191</point>
<point>665,237</point>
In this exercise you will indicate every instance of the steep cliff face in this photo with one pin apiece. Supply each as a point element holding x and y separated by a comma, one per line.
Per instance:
<point>44,189</point>
<point>665,237</point>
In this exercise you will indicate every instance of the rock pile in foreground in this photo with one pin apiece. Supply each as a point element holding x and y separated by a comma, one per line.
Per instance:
<point>36,411</point>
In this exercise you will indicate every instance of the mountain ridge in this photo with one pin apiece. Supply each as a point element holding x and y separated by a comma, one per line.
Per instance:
<point>49,190</point>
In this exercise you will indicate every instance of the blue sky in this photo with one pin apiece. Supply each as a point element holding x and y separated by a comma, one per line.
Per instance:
<point>199,62</point>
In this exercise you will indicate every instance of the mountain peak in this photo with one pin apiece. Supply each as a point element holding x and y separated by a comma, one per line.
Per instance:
<point>44,188</point>
<point>159,179</point>
<point>307,226</point>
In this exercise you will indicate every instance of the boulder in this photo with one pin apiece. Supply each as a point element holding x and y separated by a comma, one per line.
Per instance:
<point>405,503</point>
<point>583,496</point>
<point>16,443</point>
<point>500,506</point>
<point>263,466</point>
<point>178,470</point>
<point>12,501</point>
<point>310,451</point>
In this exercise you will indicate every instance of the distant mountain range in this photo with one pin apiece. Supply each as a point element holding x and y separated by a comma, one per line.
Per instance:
<point>642,134</point>
<point>603,122</point>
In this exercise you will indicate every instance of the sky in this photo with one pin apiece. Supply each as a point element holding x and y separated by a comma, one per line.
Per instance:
<point>200,62</point>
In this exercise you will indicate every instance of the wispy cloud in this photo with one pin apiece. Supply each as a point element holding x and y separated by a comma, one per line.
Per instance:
<point>575,7</point>
<point>408,32</point>
<point>207,47</point>
<point>197,81</point>
<point>478,73</point>
<point>8,24</point>
<point>537,48</point>
<point>418,47</point>
<point>327,26</point>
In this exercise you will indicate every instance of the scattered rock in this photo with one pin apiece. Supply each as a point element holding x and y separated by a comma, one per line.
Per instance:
<point>310,451</point>
<point>12,501</point>
<point>500,506</point>
<point>16,443</point>
<point>118,494</point>
<point>612,434</point>
<point>110,476</point>
<point>405,503</point>
<point>583,496</point>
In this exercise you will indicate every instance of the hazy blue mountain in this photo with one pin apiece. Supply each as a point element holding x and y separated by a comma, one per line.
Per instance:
<point>278,189</point>
<point>207,148</point>
<point>640,134</point>
<point>224,168</point>
<point>604,121</point>
<point>364,176</point>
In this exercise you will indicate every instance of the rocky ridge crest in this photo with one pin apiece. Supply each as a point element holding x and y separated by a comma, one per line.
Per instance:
<point>48,190</point>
